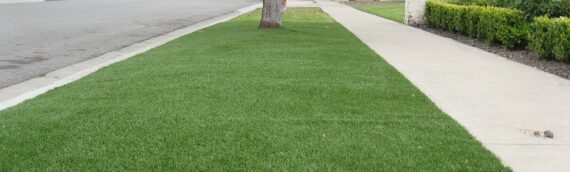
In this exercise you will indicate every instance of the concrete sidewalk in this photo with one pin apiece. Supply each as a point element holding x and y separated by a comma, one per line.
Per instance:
<point>18,1</point>
<point>500,102</point>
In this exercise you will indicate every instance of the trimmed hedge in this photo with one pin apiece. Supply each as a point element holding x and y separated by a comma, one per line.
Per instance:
<point>495,3</point>
<point>508,27</point>
<point>550,38</point>
<point>533,8</point>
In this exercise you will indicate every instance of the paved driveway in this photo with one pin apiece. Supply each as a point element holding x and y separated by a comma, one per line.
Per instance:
<point>36,38</point>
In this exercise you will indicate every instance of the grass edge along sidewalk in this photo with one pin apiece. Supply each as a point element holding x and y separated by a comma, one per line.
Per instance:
<point>231,97</point>
<point>392,10</point>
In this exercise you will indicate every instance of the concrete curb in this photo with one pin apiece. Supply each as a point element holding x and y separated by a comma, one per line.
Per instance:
<point>18,93</point>
<point>18,1</point>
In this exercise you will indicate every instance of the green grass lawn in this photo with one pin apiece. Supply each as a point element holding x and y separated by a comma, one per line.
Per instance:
<point>307,97</point>
<point>390,10</point>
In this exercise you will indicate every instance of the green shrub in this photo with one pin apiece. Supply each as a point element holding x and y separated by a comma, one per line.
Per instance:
<point>507,27</point>
<point>550,38</point>
<point>552,8</point>
<point>496,3</point>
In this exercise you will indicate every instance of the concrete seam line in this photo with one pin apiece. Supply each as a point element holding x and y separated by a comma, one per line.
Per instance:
<point>18,93</point>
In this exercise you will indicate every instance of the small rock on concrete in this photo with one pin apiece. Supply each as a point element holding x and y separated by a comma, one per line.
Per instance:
<point>536,133</point>
<point>548,134</point>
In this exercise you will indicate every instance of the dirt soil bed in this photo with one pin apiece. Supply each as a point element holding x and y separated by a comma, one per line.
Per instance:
<point>522,56</point>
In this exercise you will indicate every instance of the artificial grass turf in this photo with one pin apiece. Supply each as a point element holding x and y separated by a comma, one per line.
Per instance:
<point>307,97</point>
<point>390,10</point>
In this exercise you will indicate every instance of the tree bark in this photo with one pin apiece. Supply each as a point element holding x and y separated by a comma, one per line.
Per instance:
<point>283,7</point>
<point>271,14</point>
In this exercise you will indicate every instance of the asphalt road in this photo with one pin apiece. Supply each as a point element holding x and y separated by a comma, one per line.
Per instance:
<point>36,38</point>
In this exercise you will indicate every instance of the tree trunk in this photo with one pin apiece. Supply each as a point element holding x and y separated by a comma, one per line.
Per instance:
<point>271,14</point>
<point>283,7</point>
